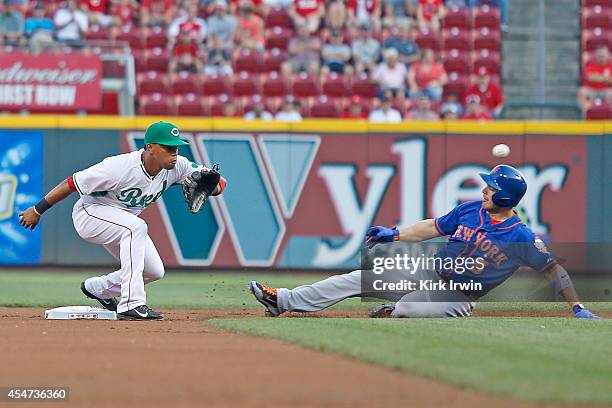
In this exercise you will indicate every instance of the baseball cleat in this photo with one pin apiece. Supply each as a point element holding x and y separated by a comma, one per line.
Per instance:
<point>108,304</point>
<point>266,296</point>
<point>381,311</point>
<point>142,312</point>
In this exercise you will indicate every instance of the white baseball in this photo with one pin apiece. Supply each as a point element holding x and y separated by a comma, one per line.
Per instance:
<point>501,150</point>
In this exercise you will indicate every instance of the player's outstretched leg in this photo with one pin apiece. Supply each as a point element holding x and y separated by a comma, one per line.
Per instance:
<point>265,295</point>
<point>422,303</point>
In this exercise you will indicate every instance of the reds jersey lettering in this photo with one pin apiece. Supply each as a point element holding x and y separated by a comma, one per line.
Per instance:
<point>129,197</point>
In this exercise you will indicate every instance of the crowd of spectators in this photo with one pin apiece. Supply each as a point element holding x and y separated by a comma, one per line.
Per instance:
<point>375,39</point>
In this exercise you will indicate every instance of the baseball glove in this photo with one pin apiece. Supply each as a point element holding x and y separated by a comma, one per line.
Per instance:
<point>199,186</point>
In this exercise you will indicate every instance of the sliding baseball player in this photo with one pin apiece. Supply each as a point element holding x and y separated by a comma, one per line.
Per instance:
<point>112,195</point>
<point>488,232</point>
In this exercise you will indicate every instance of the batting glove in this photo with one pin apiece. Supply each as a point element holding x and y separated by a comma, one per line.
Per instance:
<point>582,313</point>
<point>382,234</point>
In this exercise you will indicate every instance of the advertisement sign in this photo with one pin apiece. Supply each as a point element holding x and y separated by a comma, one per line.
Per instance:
<point>50,83</point>
<point>20,187</point>
<point>306,200</point>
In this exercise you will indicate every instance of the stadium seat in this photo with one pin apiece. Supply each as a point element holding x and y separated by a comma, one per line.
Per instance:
<point>305,85</point>
<point>597,16</point>
<point>335,86</point>
<point>213,85</point>
<point>273,104</point>
<point>248,60</point>
<point>151,82</point>
<point>274,85</point>
<point>599,110</point>
<point>156,104</point>
<point>485,16</point>
<point>185,83</point>
<point>593,39</point>
<point>590,3</point>
<point>216,103</point>
<point>486,39</point>
<point>131,35</point>
<point>278,37</point>
<point>364,86</point>
<point>457,61</point>
<point>488,59</point>
<point>428,39</point>
<point>278,17</point>
<point>324,107</point>
<point>156,59</point>
<point>456,17</point>
<point>246,84</point>
<point>190,105</point>
<point>155,37</point>
<point>139,60</point>
<point>273,59</point>
<point>457,84</point>
<point>97,33</point>
<point>456,39</point>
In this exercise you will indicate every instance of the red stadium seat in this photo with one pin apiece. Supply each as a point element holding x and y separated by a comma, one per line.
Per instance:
<point>278,37</point>
<point>157,59</point>
<point>593,39</point>
<point>590,3</point>
<point>130,34</point>
<point>185,83</point>
<point>274,85</point>
<point>156,104</point>
<point>428,39</point>
<point>248,60</point>
<point>278,17</point>
<point>305,85</point>
<point>216,104</point>
<point>457,61</point>
<point>246,84</point>
<point>456,39</point>
<point>600,110</point>
<point>273,60</point>
<point>213,85</point>
<point>485,16</point>
<point>324,107</point>
<point>335,86</point>
<point>487,59</point>
<point>457,84</point>
<point>97,33</point>
<point>139,60</point>
<point>456,17</point>
<point>273,104</point>
<point>155,37</point>
<point>190,105</point>
<point>597,16</point>
<point>486,39</point>
<point>151,82</point>
<point>364,86</point>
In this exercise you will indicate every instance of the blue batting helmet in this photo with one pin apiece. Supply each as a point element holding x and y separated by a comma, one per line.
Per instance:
<point>508,182</point>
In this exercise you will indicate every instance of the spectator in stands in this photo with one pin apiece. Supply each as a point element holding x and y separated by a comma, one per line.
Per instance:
<point>11,23</point>
<point>218,61</point>
<point>430,14</point>
<point>259,7</point>
<point>456,4</point>
<point>70,23</point>
<point>476,111</point>
<point>283,4</point>
<point>98,12</point>
<point>39,28</point>
<point>423,110</point>
<point>229,109</point>
<point>405,44</point>
<point>452,104</point>
<point>336,55</point>
<point>356,110</point>
<point>390,75</point>
<point>126,12</point>
<point>221,24</point>
<point>366,50</point>
<point>397,11</point>
<point>336,15</point>
<point>189,23</point>
<point>490,94</point>
<point>250,32</point>
<point>449,112</point>
<point>186,56</point>
<point>385,113</point>
<point>427,77</point>
<point>308,13</point>
<point>259,111</point>
<point>364,12</point>
<point>501,4</point>
<point>303,53</point>
<point>597,79</point>
<point>290,112</point>
<point>156,13</point>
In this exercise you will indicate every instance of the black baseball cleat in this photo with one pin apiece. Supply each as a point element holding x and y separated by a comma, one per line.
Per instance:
<point>142,312</point>
<point>266,296</point>
<point>108,304</point>
<point>382,311</point>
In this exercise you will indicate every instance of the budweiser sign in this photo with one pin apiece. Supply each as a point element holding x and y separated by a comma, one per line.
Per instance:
<point>48,83</point>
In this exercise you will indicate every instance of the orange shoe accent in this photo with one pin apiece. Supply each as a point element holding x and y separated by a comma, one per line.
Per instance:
<point>269,290</point>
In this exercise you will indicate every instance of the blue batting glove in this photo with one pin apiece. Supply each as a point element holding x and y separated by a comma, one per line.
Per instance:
<point>582,313</point>
<point>382,234</point>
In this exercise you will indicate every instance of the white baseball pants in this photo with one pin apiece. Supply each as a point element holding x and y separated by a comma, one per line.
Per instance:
<point>124,235</point>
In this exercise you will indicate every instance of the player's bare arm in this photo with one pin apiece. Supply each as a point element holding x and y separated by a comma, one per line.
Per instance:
<point>31,216</point>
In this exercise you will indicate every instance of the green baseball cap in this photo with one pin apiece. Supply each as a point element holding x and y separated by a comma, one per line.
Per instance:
<point>164,133</point>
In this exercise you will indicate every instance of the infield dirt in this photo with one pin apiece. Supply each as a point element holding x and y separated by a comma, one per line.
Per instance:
<point>185,362</point>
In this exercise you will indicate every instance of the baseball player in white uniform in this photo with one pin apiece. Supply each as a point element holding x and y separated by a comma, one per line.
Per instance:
<point>112,195</point>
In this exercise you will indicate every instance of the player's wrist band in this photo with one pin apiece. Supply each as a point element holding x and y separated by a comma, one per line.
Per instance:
<point>42,206</point>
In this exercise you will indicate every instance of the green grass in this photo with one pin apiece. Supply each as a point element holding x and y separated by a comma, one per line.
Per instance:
<point>536,359</point>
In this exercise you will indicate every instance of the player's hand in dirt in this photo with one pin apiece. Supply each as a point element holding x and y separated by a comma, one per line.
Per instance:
<point>29,218</point>
<point>382,234</point>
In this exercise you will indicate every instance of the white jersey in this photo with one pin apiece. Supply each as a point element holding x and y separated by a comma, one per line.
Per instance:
<point>122,182</point>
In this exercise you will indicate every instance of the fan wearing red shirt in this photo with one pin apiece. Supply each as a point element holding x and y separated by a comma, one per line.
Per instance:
<point>427,77</point>
<point>97,12</point>
<point>476,111</point>
<point>490,94</point>
<point>259,7</point>
<point>597,79</point>
<point>364,12</point>
<point>430,14</point>
<point>156,12</point>
<point>126,11</point>
<point>308,12</point>
<point>356,110</point>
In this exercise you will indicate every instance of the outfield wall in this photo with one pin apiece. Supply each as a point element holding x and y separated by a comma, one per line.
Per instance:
<point>301,195</point>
